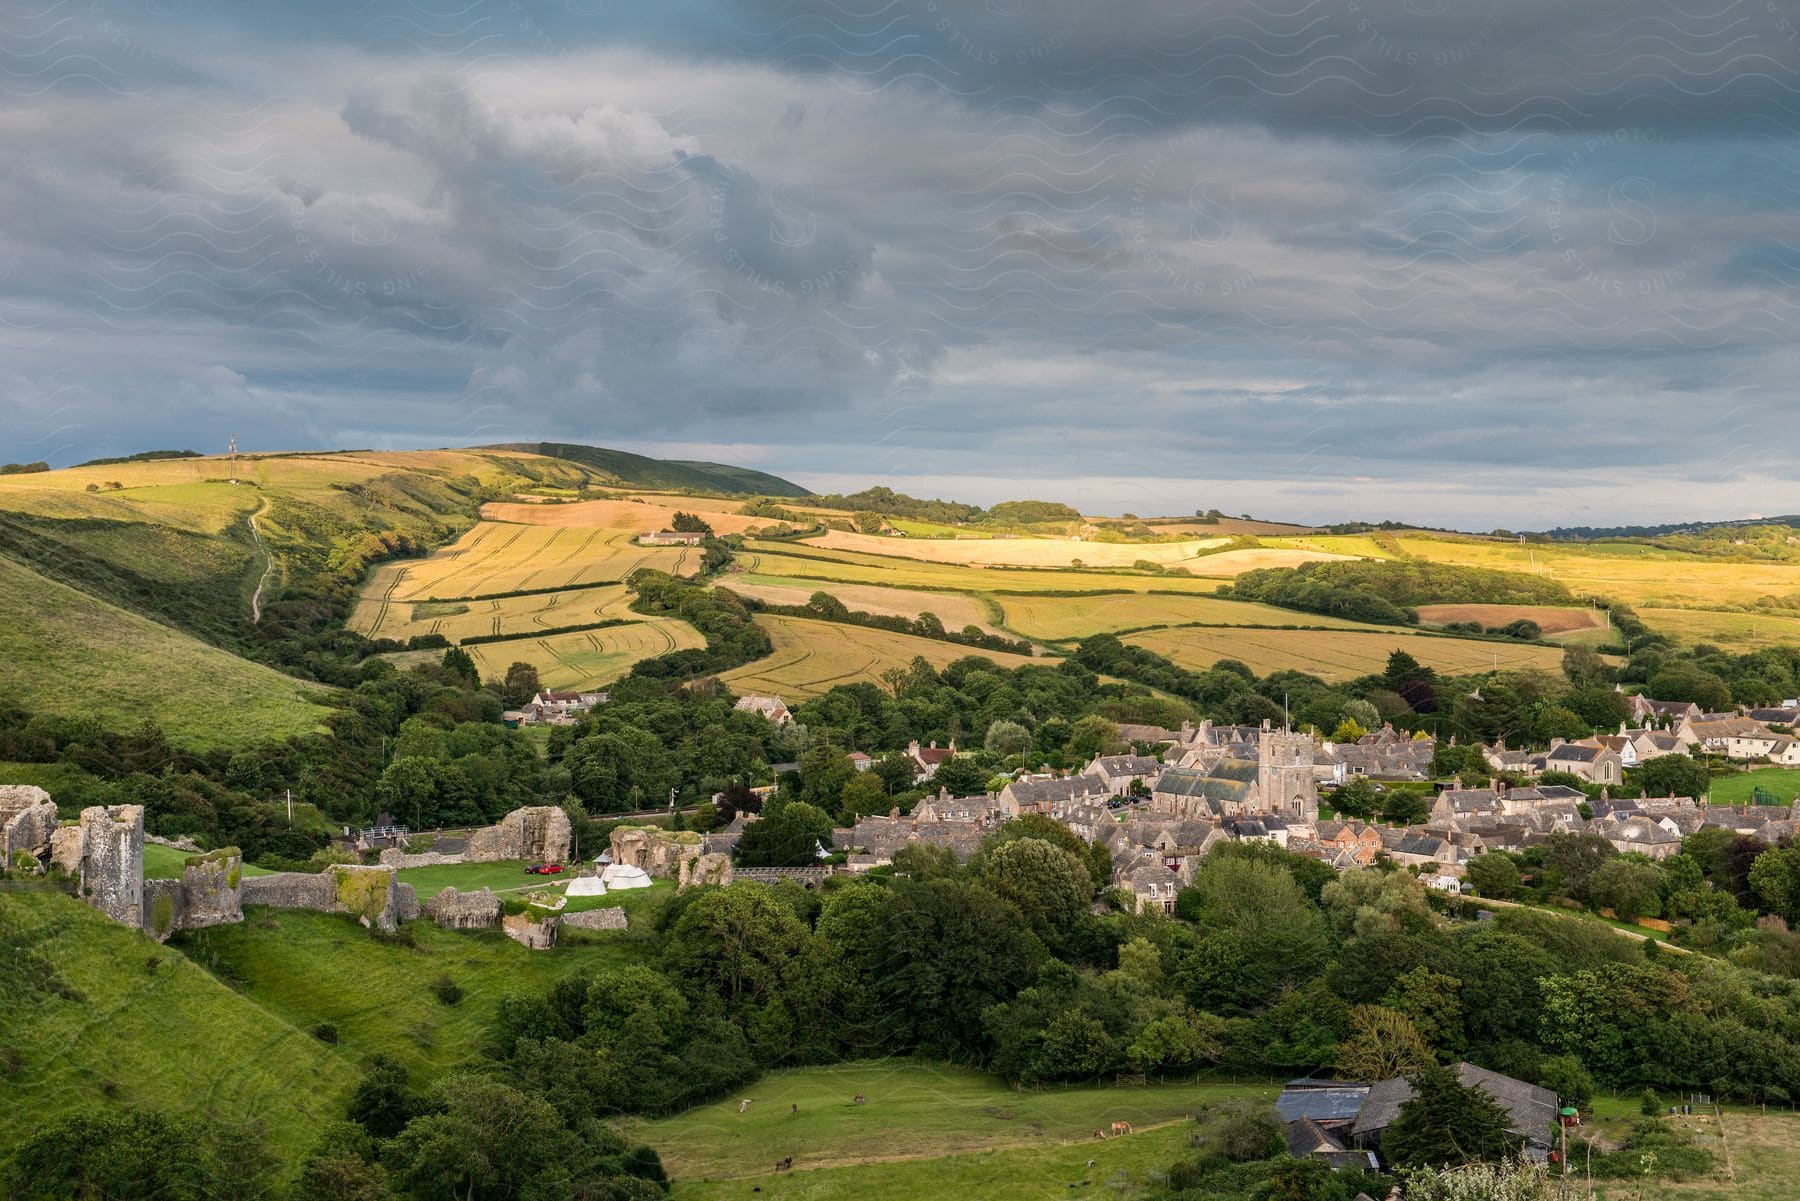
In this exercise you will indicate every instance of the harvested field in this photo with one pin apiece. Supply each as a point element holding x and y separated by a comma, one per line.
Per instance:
<point>812,657</point>
<point>1058,618</point>
<point>1641,576</point>
<point>1340,654</point>
<point>636,516</point>
<point>586,658</point>
<point>953,610</point>
<point>1016,552</point>
<point>498,557</point>
<point>1551,619</point>
<point>807,564</point>
<point>504,615</point>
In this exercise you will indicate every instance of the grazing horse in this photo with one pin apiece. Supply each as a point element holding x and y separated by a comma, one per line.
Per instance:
<point>1121,1128</point>
<point>858,1099</point>
<point>784,1165</point>
<point>1099,1134</point>
<point>744,1104</point>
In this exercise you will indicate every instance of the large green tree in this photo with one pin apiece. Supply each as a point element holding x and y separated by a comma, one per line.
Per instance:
<point>1446,1122</point>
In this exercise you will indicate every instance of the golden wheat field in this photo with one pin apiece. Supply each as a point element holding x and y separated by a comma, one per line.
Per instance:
<point>1738,631</point>
<point>812,657</point>
<point>584,659</point>
<point>496,557</point>
<point>1063,618</point>
<point>948,607</point>
<point>457,620</point>
<point>1552,619</point>
<point>1339,654</point>
<point>635,514</point>
<point>814,564</point>
<point>1016,552</point>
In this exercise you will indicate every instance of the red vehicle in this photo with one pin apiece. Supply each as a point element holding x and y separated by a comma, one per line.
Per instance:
<point>543,869</point>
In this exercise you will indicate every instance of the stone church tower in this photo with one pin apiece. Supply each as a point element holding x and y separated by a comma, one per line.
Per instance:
<point>1284,774</point>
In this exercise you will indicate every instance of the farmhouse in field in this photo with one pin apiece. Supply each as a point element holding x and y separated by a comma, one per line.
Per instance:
<point>559,708</point>
<point>672,538</point>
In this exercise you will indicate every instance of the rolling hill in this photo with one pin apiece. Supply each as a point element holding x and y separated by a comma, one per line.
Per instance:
<point>66,652</point>
<point>640,471</point>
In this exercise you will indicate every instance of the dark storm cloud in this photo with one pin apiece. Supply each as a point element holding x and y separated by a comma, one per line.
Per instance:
<point>1480,257</point>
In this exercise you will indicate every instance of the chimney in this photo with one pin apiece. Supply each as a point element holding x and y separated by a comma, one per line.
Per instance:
<point>1556,742</point>
<point>1493,784</point>
<point>894,813</point>
<point>912,748</point>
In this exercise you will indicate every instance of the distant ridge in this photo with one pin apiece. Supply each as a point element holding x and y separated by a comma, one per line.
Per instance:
<point>623,467</point>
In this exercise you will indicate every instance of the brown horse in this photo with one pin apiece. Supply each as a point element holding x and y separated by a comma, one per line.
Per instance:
<point>1099,1134</point>
<point>784,1165</point>
<point>858,1099</point>
<point>1121,1128</point>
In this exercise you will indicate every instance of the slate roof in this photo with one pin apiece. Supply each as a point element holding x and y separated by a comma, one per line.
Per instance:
<point>1570,752</point>
<point>1314,1101</point>
<point>1530,1110</point>
<point>1124,765</point>
<point>1045,792</point>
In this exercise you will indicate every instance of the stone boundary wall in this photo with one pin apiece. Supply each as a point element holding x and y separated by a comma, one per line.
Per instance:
<point>397,859</point>
<point>291,890</point>
<point>597,919</point>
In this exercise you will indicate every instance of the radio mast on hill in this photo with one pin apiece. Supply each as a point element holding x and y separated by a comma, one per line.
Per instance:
<point>234,458</point>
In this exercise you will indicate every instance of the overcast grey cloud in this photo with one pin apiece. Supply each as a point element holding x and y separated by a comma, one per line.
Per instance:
<point>1484,262</point>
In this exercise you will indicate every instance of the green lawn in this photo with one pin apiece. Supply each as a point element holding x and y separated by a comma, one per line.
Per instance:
<point>171,1037</point>
<point>165,863</point>
<point>1122,1167</point>
<point>508,878</point>
<point>1784,782</point>
<point>915,1111</point>
<point>309,968</point>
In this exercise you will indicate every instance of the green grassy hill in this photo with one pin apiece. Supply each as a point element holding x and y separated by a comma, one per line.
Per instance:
<point>640,471</point>
<point>66,652</point>
<point>92,1014</point>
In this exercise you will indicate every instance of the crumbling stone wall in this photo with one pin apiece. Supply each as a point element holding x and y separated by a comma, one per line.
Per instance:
<point>291,890</point>
<point>453,910</point>
<point>532,935</point>
<point>597,919</point>
<point>27,823</point>
<point>697,870</point>
<point>66,846</point>
<point>658,852</point>
<point>211,887</point>
<point>539,832</point>
<point>406,902</point>
<point>112,861</point>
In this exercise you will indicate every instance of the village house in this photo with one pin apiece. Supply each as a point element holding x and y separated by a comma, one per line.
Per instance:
<point>1360,840</point>
<point>927,758</point>
<point>1642,835</point>
<point>1645,711</point>
<point>1154,888</point>
<point>1384,754</point>
<point>1594,764</point>
<point>672,538</point>
<point>771,707</point>
<point>1040,794</point>
<point>1119,772</point>
<point>1713,733</point>
<point>1273,775</point>
<point>860,761</point>
<point>1775,717</point>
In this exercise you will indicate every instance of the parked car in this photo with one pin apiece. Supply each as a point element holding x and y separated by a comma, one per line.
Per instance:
<point>543,869</point>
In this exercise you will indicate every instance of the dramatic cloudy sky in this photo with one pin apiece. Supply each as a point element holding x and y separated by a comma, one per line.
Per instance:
<point>1521,262</point>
